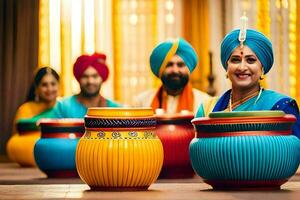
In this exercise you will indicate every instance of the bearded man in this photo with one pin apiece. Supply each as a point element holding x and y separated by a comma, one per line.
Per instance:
<point>173,62</point>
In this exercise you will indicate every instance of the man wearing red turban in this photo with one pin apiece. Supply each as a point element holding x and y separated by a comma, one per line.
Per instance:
<point>90,71</point>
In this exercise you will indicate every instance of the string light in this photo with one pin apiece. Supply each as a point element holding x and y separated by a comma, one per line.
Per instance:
<point>133,19</point>
<point>169,17</point>
<point>169,5</point>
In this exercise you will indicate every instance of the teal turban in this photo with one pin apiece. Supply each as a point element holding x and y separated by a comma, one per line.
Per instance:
<point>164,51</point>
<point>256,41</point>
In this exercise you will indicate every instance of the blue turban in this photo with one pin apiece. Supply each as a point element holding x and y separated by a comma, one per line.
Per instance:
<point>256,41</point>
<point>164,51</point>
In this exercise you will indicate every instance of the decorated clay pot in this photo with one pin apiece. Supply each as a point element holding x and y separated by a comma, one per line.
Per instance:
<point>119,150</point>
<point>176,132</point>
<point>245,150</point>
<point>20,146</point>
<point>55,151</point>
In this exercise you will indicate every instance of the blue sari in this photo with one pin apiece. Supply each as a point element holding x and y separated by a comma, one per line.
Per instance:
<point>268,100</point>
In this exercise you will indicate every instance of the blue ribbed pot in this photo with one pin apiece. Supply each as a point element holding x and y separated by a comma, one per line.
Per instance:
<point>55,152</point>
<point>238,158</point>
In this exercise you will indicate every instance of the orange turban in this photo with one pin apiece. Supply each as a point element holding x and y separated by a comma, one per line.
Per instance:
<point>97,61</point>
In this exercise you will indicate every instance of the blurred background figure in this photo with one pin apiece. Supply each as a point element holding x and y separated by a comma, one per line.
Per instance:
<point>90,71</point>
<point>39,104</point>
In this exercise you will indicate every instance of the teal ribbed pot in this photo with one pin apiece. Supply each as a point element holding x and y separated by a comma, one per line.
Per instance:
<point>237,158</point>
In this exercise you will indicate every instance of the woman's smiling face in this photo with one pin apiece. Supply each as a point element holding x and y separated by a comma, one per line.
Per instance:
<point>244,69</point>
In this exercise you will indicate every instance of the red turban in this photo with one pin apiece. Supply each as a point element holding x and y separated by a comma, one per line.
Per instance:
<point>97,60</point>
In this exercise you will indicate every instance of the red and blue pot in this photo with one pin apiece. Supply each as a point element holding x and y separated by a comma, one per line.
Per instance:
<point>55,152</point>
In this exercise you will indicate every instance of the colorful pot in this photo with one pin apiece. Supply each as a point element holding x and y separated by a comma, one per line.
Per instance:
<point>55,152</point>
<point>20,146</point>
<point>119,150</point>
<point>176,132</point>
<point>245,152</point>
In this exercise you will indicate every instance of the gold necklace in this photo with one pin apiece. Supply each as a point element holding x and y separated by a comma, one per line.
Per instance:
<point>245,99</point>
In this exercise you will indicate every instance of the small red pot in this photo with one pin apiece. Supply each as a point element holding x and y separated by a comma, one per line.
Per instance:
<point>176,132</point>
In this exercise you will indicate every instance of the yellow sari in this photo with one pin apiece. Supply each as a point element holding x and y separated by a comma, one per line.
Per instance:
<point>20,148</point>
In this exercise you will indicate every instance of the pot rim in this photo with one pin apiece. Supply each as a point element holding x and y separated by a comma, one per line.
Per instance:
<point>120,117</point>
<point>174,117</point>
<point>62,135</point>
<point>252,113</point>
<point>120,112</point>
<point>243,133</point>
<point>62,122</point>
<point>288,118</point>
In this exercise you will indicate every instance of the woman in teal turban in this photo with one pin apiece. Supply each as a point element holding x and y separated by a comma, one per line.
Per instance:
<point>245,63</point>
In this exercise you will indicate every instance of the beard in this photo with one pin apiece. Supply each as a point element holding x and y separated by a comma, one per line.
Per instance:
<point>175,81</point>
<point>86,92</point>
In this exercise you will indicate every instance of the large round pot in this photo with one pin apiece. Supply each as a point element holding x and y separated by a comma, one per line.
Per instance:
<point>119,150</point>
<point>20,146</point>
<point>55,151</point>
<point>245,150</point>
<point>176,132</point>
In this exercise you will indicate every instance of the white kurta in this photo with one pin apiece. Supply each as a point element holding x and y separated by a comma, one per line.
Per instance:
<point>145,99</point>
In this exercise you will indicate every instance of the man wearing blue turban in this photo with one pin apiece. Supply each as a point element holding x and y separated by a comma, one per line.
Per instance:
<point>173,62</point>
<point>246,61</point>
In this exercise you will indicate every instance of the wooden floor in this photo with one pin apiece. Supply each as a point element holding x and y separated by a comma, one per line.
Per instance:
<point>30,183</point>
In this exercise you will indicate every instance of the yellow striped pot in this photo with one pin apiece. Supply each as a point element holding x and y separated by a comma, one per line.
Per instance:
<point>20,146</point>
<point>119,150</point>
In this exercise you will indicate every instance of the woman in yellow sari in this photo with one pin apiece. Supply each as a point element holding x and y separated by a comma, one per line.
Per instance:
<point>40,101</point>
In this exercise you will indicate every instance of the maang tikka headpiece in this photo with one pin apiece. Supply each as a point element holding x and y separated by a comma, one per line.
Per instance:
<point>243,30</point>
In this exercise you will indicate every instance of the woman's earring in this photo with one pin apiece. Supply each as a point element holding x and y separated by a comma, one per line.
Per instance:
<point>262,75</point>
<point>36,98</point>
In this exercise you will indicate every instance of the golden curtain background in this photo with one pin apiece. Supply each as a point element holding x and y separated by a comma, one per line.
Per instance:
<point>263,23</point>
<point>69,29</point>
<point>298,51</point>
<point>292,28</point>
<point>133,21</point>
<point>196,31</point>
<point>134,36</point>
